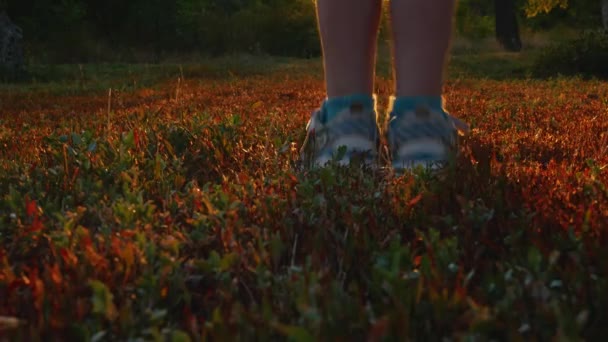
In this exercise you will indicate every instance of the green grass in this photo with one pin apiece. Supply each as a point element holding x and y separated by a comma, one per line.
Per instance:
<point>75,79</point>
<point>496,66</point>
<point>79,79</point>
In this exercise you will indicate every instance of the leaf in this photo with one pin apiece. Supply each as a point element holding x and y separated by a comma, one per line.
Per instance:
<point>341,153</point>
<point>129,139</point>
<point>68,257</point>
<point>535,259</point>
<point>379,329</point>
<point>217,316</point>
<point>9,323</point>
<point>128,255</point>
<point>76,139</point>
<point>55,272</point>
<point>179,336</point>
<point>103,300</point>
<point>227,261</point>
<point>30,207</point>
<point>99,336</point>
<point>414,200</point>
<point>158,315</point>
<point>295,333</point>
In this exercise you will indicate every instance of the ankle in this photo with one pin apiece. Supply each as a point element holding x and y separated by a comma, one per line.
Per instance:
<point>333,106</point>
<point>404,104</point>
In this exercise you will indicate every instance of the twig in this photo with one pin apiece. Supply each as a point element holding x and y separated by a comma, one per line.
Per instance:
<point>251,297</point>
<point>109,108</point>
<point>179,83</point>
<point>82,86</point>
<point>65,163</point>
<point>293,251</point>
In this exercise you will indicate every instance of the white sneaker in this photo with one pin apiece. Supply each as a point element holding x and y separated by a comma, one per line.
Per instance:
<point>351,134</point>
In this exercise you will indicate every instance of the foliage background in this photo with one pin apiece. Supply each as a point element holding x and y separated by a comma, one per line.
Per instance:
<point>149,30</point>
<point>88,30</point>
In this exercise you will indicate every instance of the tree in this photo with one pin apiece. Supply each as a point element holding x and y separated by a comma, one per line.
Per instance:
<point>507,29</point>
<point>536,7</point>
<point>605,14</point>
<point>11,49</point>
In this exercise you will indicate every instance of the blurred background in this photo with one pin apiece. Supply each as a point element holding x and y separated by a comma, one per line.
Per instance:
<point>153,31</point>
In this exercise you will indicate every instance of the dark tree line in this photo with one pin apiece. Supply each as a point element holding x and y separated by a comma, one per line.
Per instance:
<point>76,30</point>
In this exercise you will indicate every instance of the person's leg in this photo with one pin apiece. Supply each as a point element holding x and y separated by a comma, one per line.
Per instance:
<point>421,31</point>
<point>347,118</point>
<point>420,132</point>
<point>349,30</point>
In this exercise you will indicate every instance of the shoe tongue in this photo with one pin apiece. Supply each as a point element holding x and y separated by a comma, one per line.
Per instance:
<point>357,108</point>
<point>353,109</point>
<point>422,112</point>
<point>354,104</point>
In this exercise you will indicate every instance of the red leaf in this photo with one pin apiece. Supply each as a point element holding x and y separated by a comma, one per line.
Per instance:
<point>30,207</point>
<point>55,273</point>
<point>414,200</point>
<point>379,330</point>
<point>68,257</point>
<point>136,137</point>
<point>36,225</point>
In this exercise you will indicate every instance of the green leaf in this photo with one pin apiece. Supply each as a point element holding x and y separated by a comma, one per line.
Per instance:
<point>227,261</point>
<point>341,153</point>
<point>535,259</point>
<point>217,316</point>
<point>99,336</point>
<point>76,140</point>
<point>297,334</point>
<point>103,300</point>
<point>328,177</point>
<point>158,315</point>
<point>179,336</point>
<point>129,139</point>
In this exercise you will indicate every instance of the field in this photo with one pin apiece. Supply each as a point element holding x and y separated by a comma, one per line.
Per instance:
<point>174,208</point>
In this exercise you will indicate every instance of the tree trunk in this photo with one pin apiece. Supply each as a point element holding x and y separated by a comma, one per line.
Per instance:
<point>605,14</point>
<point>12,61</point>
<point>507,29</point>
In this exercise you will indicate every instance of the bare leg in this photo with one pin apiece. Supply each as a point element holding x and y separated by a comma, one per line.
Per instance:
<point>420,132</point>
<point>349,30</point>
<point>347,118</point>
<point>422,30</point>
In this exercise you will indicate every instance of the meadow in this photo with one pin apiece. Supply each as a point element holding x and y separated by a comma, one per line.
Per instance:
<point>174,207</point>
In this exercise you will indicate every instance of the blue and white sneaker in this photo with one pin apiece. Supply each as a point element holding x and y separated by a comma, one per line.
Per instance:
<point>353,132</point>
<point>422,137</point>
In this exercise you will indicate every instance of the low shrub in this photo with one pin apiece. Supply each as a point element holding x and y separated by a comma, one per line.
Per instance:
<point>585,55</point>
<point>285,29</point>
<point>474,19</point>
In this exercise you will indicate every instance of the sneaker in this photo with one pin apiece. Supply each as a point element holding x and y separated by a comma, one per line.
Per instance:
<point>351,134</point>
<point>423,137</point>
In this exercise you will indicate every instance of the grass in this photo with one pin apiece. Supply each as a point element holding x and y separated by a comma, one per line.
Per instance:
<point>85,79</point>
<point>181,212</point>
